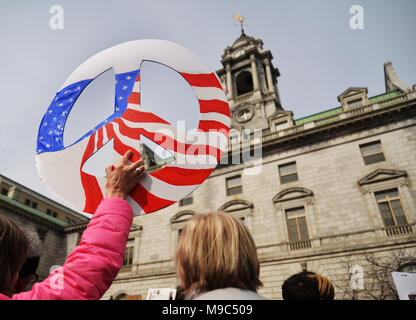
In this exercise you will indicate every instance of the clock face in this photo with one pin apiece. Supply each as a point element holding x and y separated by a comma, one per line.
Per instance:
<point>244,114</point>
<point>239,53</point>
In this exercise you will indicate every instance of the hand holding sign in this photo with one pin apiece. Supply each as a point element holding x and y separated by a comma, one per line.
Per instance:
<point>60,167</point>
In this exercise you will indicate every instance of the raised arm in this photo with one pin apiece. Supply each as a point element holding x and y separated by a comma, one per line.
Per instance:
<point>92,266</point>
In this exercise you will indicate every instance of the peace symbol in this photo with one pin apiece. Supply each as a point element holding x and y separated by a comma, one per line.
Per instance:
<point>60,167</point>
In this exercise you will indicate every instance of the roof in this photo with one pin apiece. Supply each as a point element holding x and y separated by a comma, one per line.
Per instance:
<point>32,211</point>
<point>44,198</point>
<point>337,110</point>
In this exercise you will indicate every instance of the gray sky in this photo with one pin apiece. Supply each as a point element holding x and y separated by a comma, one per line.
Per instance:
<point>317,53</point>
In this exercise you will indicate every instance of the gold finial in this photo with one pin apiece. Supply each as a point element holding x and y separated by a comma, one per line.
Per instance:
<point>240,19</point>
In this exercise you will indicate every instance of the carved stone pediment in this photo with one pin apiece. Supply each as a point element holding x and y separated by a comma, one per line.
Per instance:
<point>292,193</point>
<point>352,93</point>
<point>235,205</point>
<point>182,216</point>
<point>381,175</point>
<point>281,114</point>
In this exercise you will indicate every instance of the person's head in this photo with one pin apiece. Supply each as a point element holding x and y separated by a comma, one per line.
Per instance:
<point>27,274</point>
<point>216,251</point>
<point>14,248</point>
<point>325,287</point>
<point>307,286</point>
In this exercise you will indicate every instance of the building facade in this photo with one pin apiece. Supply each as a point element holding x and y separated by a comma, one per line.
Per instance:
<point>59,228</point>
<point>328,190</point>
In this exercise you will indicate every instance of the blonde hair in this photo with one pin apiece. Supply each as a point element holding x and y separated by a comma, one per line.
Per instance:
<point>215,251</point>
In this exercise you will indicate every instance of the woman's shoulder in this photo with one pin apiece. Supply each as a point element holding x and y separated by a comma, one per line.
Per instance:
<point>230,294</point>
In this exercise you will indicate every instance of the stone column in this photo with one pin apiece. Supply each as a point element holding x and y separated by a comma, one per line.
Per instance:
<point>254,73</point>
<point>269,76</point>
<point>229,82</point>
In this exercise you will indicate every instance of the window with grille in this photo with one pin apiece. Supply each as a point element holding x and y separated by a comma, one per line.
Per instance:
<point>288,172</point>
<point>297,225</point>
<point>391,209</point>
<point>372,152</point>
<point>234,185</point>
<point>128,257</point>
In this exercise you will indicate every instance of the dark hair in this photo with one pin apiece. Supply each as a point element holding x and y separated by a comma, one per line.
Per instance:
<point>300,287</point>
<point>14,248</point>
<point>308,286</point>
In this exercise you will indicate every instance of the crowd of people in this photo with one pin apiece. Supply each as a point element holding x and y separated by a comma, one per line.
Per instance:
<point>216,257</point>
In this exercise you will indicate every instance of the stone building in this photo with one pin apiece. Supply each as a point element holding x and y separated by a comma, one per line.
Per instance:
<point>59,228</point>
<point>329,188</point>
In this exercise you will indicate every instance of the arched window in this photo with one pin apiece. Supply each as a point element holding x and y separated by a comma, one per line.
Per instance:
<point>244,82</point>
<point>240,209</point>
<point>408,267</point>
<point>177,223</point>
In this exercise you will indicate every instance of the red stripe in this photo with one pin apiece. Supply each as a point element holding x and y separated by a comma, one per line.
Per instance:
<point>119,146</point>
<point>100,138</point>
<point>166,141</point>
<point>181,176</point>
<point>211,125</point>
<point>148,201</point>
<point>137,78</point>
<point>121,149</point>
<point>93,194</point>
<point>202,80</point>
<point>139,116</point>
<point>134,98</point>
<point>214,106</point>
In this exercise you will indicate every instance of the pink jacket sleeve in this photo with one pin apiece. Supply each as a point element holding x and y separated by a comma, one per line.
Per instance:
<point>92,266</point>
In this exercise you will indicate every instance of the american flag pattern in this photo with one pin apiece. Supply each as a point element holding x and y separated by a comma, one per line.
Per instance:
<point>193,162</point>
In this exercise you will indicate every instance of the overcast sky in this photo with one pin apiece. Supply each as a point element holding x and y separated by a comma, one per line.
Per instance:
<point>316,51</point>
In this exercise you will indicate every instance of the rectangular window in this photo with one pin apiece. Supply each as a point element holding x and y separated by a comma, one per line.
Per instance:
<point>372,152</point>
<point>391,209</point>
<point>280,125</point>
<point>128,257</point>
<point>188,200</point>
<point>34,205</point>
<point>54,214</point>
<point>296,225</point>
<point>27,202</point>
<point>234,185</point>
<point>4,191</point>
<point>79,238</point>
<point>48,212</point>
<point>288,172</point>
<point>355,103</point>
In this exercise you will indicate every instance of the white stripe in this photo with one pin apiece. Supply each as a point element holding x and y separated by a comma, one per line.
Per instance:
<point>102,183</point>
<point>136,87</point>
<point>209,93</point>
<point>215,116</point>
<point>134,106</point>
<point>165,190</point>
<point>95,138</point>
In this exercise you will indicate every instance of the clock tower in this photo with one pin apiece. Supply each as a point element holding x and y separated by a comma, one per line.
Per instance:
<point>250,80</point>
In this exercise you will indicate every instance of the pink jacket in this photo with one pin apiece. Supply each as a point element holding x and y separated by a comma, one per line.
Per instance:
<point>92,266</point>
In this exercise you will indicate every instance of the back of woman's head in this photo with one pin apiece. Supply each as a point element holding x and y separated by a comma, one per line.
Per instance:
<point>216,251</point>
<point>13,252</point>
